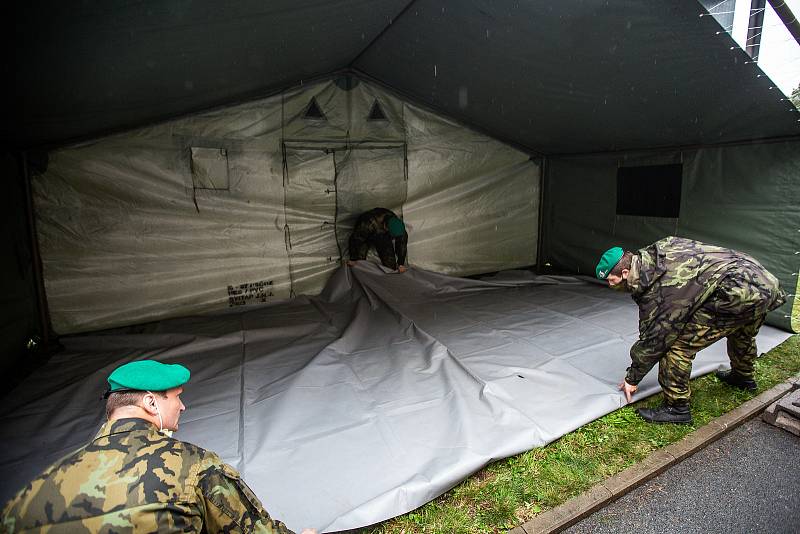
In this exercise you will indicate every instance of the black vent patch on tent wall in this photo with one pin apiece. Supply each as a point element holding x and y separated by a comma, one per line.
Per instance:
<point>650,190</point>
<point>313,111</point>
<point>377,113</point>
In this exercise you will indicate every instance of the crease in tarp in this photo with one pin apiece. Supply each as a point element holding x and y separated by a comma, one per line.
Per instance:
<point>359,400</point>
<point>422,333</point>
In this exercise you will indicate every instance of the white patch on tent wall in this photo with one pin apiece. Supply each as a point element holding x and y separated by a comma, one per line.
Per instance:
<point>250,293</point>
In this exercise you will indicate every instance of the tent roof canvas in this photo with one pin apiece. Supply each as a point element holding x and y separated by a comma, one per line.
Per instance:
<point>551,78</point>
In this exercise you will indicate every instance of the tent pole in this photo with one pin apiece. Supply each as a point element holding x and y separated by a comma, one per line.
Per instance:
<point>754,28</point>
<point>543,169</point>
<point>41,296</point>
<point>787,17</point>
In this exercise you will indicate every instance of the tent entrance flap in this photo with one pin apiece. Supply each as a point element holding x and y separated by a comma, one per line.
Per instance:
<point>327,186</point>
<point>310,207</point>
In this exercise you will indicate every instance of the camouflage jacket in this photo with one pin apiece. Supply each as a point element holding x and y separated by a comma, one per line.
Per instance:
<point>375,222</point>
<point>131,478</point>
<point>676,280</point>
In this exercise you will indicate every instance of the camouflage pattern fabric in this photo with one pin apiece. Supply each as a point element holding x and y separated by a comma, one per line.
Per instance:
<point>690,295</point>
<point>131,478</point>
<point>675,367</point>
<point>372,230</point>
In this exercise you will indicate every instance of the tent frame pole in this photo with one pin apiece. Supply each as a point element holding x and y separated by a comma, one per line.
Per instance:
<point>543,170</point>
<point>755,27</point>
<point>45,327</point>
<point>787,17</point>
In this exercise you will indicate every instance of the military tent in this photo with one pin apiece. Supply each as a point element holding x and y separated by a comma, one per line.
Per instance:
<point>171,160</point>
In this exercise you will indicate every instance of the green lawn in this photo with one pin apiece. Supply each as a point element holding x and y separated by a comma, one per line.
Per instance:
<point>512,491</point>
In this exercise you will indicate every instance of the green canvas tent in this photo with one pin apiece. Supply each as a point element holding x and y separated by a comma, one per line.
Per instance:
<point>174,166</point>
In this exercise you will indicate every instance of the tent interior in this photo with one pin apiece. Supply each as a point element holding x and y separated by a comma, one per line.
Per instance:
<point>183,180</point>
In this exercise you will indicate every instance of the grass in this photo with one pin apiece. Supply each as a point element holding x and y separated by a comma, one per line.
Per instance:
<point>512,491</point>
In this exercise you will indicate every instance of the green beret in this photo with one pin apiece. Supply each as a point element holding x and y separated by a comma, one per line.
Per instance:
<point>607,262</point>
<point>147,375</point>
<point>396,227</point>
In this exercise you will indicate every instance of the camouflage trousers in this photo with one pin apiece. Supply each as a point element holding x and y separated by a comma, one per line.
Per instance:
<point>360,243</point>
<point>675,366</point>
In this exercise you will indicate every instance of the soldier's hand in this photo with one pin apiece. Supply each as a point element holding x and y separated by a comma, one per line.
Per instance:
<point>628,389</point>
<point>351,263</point>
<point>401,268</point>
<point>309,531</point>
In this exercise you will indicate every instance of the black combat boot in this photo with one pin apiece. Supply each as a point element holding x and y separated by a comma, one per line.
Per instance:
<point>732,378</point>
<point>667,413</point>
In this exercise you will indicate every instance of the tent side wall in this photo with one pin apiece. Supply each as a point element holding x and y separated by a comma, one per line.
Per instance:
<point>255,202</point>
<point>19,321</point>
<point>744,197</point>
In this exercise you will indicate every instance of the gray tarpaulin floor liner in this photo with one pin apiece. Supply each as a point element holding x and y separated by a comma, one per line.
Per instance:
<point>365,402</point>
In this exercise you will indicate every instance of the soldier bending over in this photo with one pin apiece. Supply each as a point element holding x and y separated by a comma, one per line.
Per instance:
<point>690,295</point>
<point>383,230</point>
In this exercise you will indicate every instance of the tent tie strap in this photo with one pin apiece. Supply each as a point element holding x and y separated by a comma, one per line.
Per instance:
<point>287,237</point>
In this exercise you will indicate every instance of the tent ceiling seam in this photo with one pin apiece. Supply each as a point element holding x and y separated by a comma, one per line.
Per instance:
<point>381,33</point>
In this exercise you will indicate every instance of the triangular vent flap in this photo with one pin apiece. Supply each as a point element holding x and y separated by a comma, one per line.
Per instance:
<point>377,113</point>
<point>313,111</point>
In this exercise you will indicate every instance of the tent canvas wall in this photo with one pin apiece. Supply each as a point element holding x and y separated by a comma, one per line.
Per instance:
<point>254,203</point>
<point>746,197</point>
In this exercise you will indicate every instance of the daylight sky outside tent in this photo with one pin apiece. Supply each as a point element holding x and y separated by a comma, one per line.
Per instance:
<point>779,55</point>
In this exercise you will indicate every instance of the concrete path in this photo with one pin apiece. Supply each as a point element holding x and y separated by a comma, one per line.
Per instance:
<point>747,481</point>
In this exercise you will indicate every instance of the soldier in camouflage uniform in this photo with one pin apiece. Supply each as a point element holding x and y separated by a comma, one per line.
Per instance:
<point>380,227</point>
<point>134,477</point>
<point>690,295</point>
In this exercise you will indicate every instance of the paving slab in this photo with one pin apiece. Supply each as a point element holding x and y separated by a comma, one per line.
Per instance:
<point>785,413</point>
